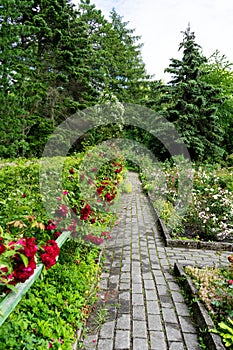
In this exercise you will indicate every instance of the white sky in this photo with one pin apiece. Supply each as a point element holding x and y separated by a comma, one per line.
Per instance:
<point>160,22</point>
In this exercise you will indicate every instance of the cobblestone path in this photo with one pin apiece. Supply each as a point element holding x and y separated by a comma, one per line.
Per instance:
<point>145,308</point>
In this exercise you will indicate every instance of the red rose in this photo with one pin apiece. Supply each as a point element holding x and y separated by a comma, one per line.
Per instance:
<point>230,258</point>
<point>118,170</point>
<point>21,272</point>
<point>57,234</point>
<point>100,190</point>
<point>85,212</point>
<point>51,251</point>
<point>30,248</point>
<point>2,247</point>
<point>71,171</point>
<point>48,260</point>
<point>109,197</point>
<point>94,239</point>
<point>230,281</point>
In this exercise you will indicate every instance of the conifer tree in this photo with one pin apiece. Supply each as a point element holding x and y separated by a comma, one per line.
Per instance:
<point>193,103</point>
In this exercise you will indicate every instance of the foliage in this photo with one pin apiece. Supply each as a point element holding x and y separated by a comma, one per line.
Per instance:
<point>218,72</point>
<point>226,332</point>
<point>55,60</point>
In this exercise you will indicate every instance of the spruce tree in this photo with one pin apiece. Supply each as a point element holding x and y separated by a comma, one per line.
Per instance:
<point>193,103</point>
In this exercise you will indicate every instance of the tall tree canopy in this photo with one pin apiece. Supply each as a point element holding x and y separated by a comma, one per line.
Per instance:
<point>192,102</point>
<point>56,59</point>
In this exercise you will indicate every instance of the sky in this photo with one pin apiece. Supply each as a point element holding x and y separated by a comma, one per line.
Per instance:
<point>160,23</point>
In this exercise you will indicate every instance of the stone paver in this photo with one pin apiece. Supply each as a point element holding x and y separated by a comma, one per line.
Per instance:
<point>146,310</point>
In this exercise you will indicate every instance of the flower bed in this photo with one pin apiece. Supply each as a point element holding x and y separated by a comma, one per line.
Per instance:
<point>209,214</point>
<point>213,288</point>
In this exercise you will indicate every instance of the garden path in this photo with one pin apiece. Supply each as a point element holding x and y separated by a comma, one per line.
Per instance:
<point>145,309</point>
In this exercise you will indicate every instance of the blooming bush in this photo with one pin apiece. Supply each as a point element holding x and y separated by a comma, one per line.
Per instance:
<point>18,258</point>
<point>28,233</point>
<point>209,215</point>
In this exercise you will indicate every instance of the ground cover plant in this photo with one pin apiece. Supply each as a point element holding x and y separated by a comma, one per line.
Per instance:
<point>209,214</point>
<point>215,289</point>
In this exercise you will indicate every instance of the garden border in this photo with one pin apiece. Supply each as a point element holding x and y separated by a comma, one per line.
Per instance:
<point>200,314</point>
<point>187,243</point>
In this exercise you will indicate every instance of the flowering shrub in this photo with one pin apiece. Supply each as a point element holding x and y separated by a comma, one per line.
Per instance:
<point>18,258</point>
<point>209,216</point>
<point>28,233</point>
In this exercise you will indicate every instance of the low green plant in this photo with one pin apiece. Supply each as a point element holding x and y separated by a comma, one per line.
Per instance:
<point>225,330</point>
<point>100,317</point>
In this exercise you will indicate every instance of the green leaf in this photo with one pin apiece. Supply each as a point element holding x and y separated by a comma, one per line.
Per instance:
<point>24,259</point>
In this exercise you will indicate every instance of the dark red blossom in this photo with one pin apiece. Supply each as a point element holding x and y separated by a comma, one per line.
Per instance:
<point>24,195</point>
<point>106,234</point>
<point>51,251</point>
<point>71,171</point>
<point>100,190</point>
<point>2,247</point>
<point>118,170</point>
<point>29,247</point>
<point>57,234</point>
<point>72,227</point>
<point>109,197</point>
<point>21,272</point>
<point>51,225</point>
<point>90,181</point>
<point>230,258</point>
<point>85,212</point>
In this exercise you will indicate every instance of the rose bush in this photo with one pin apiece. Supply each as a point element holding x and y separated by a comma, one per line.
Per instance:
<point>28,234</point>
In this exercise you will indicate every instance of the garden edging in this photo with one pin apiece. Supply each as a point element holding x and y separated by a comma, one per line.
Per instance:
<point>187,243</point>
<point>200,314</point>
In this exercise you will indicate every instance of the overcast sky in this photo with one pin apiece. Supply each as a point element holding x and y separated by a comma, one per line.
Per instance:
<point>160,22</point>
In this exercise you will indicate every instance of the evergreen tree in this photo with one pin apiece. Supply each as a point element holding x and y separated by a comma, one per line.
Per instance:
<point>219,73</point>
<point>193,103</point>
<point>127,73</point>
<point>55,60</point>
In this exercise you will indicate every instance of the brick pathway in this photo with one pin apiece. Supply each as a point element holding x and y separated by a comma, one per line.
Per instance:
<point>145,308</point>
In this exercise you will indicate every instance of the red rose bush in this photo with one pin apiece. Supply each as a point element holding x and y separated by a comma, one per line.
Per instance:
<point>18,259</point>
